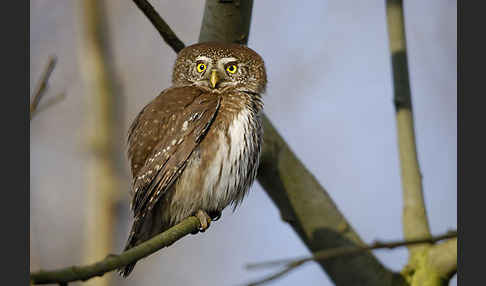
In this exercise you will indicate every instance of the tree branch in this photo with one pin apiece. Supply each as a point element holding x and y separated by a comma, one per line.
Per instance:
<point>113,262</point>
<point>164,30</point>
<point>415,222</point>
<point>42,85</point>
<point>308,208</point>
<point>226,22</point>
<point>291,264</point>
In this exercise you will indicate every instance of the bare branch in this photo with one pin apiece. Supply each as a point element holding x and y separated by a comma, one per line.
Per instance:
<point>42,85</point>
<point>113,262</point>
<point>164,30</point>
<point>291,264</point>
<point>415,222</point>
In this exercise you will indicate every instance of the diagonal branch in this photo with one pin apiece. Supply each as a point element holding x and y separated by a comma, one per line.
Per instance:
<point>164,30</point>
<point>291,264</point>
<point>113,262</point>
<point>42,85</point>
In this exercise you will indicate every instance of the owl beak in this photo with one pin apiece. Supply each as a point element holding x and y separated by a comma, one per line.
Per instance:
<point>214,78</point>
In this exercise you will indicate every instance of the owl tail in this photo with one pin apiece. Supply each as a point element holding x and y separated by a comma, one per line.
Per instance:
<point>142,230</point>
<point>133,240</point>
<point>126,270</point>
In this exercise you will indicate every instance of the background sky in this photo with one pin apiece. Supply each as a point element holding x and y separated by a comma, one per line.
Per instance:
<point>329,94</point>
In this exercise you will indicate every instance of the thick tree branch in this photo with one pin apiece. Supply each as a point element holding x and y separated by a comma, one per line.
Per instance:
<point>415,222</point>
<point>308,208</point>
<point>291,264</point>
<point>113,262</point>
<point>226,21</point>
<point>42,85</point>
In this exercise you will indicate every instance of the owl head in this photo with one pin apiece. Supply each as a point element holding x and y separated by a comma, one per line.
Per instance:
<point>220,67</point>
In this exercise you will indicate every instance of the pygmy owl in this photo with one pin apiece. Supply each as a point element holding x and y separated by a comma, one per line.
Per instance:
<point>195,148</point>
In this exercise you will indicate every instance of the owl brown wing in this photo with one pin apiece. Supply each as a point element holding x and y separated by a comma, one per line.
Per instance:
<point>160,142</point>
<point>163,138</point>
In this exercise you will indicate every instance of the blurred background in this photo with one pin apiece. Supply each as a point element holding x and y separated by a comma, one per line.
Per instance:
<point>329,95</point>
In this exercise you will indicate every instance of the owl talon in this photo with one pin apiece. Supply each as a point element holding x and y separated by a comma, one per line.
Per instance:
<point>215,215</point>
<point>204,220</point>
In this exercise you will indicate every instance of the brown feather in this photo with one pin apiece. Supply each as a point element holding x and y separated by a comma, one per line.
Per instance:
<point>196,148</point>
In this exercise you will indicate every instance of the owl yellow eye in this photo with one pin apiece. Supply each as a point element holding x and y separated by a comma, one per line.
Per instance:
<point>231,68</point>
<point>201,67</point>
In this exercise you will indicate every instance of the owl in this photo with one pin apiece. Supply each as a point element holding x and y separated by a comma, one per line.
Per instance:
<point>195,148</point>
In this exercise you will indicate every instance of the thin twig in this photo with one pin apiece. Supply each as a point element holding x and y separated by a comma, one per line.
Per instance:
<point>112,262</point>
<point>42,85</point>
<point>291,264</point>
<point>275,275</point>
<point>164,30</point>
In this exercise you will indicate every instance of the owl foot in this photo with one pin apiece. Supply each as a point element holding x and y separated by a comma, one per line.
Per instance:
<point>204,220</point>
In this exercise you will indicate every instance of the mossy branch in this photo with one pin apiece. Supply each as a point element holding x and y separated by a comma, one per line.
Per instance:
<point>113,262</point>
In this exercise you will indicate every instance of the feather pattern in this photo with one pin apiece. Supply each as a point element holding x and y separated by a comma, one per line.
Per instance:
<point>196,146</point>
